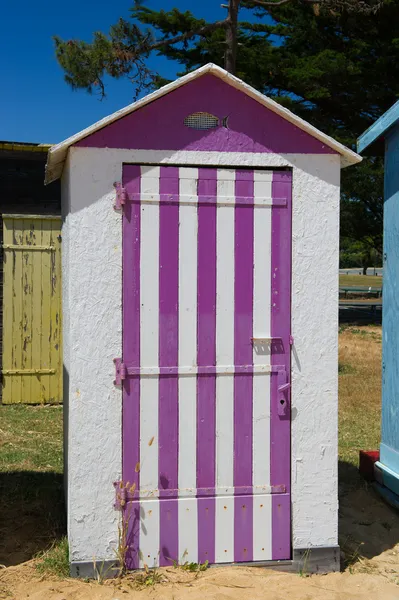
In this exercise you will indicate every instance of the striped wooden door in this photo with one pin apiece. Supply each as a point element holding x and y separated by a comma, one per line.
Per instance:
<point>206,351</point>
<point>32,357</point>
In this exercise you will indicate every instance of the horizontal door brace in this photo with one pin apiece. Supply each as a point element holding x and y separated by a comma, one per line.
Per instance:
<point>28,371</point>
<point>143,198</point>
<point>122,197</point>
<point>21,247</point>
<point>125,492</point>
<point>122,370</point>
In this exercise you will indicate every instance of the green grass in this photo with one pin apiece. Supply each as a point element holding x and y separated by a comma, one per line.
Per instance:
<point>360,281</point>
<point>30,438</point>
<point>55,560</point>
<point>31,485</point>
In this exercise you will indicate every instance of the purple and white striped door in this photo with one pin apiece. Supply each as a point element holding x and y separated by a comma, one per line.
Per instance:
<point>206,334</point>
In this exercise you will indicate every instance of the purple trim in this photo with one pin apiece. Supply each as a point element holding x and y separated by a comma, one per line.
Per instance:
<point>168,356</point>
<point>169,541</point>
<point>131,341</point>
<point>206,529</point>
<point>206,355</point>
<point>251,127</point>
<point>243,351</point>
<point>281,526</point>
<point>280,425</point>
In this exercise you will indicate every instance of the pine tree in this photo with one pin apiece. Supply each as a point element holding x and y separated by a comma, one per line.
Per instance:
<point>333,62</point>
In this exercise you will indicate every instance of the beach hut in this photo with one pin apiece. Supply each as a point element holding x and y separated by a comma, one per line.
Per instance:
<point>383,138</point>
<point>30,277</point>
<point>200,299</point>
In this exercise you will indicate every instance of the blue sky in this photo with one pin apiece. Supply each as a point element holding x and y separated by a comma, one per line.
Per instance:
<point>35,103</point>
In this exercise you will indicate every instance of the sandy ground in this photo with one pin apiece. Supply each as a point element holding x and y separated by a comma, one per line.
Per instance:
<point>229,583</point>
<point>370,548</point>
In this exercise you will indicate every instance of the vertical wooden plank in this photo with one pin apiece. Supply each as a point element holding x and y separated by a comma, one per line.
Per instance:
<point>149,333</point>
<point>59,373</point>
<point>45,310</point>
<point>262,504</point>
<point>26,349</point>
<point>187,347</point>
<point>55,312</point>
<point>17,313</point>
<point>243,332</point>
<point>206,355</point>
<point>224,551</point>
<point>36,395</point>
<point>52,316</point>
<point>8,269</point>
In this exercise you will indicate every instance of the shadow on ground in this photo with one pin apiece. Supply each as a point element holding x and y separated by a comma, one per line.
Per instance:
<point>32,514</point>
<point>367,525</point>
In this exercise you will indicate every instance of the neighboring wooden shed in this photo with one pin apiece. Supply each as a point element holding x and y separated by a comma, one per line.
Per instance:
<point>382,137</point>
<point>214,286</point>
<point>30,259</point>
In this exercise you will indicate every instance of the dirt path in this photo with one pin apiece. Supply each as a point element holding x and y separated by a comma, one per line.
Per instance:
<point>229,583</point>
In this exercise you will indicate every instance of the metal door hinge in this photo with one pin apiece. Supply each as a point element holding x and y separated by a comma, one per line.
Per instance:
<point>120,197</point>
<point>120,371</point>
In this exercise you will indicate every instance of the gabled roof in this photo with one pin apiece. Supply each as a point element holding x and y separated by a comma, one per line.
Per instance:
<point>379,128</point>
<point>58,153</point>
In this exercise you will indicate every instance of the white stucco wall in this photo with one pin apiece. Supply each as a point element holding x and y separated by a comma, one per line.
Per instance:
<point>92,307</point>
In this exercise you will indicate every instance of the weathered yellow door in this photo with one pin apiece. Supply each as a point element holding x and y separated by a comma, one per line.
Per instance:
<point>32,353</point>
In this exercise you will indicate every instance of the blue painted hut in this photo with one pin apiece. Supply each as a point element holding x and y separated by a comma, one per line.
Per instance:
<point>383,136</point>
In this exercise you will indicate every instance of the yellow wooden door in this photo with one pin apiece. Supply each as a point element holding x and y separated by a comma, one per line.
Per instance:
<point>32,348</point>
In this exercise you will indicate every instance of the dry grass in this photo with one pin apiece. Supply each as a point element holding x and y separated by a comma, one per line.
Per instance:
<point>359,391</point>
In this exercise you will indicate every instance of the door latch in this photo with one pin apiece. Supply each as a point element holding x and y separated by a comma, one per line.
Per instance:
<point>283,389</point>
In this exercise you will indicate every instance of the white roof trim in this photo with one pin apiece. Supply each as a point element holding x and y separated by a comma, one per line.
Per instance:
<point>58,153</point>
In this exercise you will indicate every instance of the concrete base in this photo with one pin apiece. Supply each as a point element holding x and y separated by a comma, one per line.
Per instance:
<point>106,569</point>
<point>322,559</point>
<point>305,560</point>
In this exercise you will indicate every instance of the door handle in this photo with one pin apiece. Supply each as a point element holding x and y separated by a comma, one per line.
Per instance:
<point>283,387</point>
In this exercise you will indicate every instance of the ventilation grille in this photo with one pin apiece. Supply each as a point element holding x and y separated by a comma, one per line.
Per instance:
<point>201,120</point>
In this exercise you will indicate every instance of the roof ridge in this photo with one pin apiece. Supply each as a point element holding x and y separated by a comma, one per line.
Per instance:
<point>58,152</point>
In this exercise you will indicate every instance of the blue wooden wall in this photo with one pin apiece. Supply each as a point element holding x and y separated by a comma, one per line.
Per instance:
<point>389,450</point>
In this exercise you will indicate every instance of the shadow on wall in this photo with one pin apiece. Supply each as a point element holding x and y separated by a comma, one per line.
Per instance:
<point>32,514</point>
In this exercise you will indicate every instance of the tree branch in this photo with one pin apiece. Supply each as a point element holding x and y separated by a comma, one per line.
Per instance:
<point>188,35</point>
<point>277,3</point>
<point>358,5</point>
